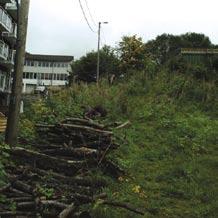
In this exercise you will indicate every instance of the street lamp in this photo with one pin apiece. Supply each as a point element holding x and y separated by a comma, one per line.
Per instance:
<point>98,58</point>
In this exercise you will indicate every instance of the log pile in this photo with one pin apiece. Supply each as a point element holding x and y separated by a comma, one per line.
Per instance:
<point>55,177</point>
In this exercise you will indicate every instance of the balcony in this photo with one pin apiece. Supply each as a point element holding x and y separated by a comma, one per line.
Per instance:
<point>11,37</point>
<point>5,82</point>
<point>11,8</point>
<point>4,50</point>
<point>5,1</point>
<point>6,23</point>
<point>7,56</point>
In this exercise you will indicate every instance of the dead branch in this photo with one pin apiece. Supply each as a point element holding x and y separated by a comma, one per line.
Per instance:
<point>123,205</point>
<point>123,125</point>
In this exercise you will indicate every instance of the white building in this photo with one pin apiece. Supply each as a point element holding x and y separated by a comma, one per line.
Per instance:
<point>45,70</point>
<point>8,32</point>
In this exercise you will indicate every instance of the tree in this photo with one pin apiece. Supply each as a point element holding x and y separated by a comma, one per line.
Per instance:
<point>195,40</point>
<point>167,46</point>
<point>163,47</point>
<point>84,69</point>
<point>132,53</point>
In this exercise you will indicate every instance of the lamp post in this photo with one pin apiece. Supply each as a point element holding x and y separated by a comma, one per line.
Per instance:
<point>98,57</point>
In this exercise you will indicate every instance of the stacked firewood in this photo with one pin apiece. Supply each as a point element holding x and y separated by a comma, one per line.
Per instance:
<point>55,177</point>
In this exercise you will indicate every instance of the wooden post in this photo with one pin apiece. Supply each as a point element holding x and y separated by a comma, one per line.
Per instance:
<point>11,136</point>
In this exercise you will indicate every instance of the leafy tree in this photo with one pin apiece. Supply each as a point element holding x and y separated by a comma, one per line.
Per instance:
<point>167,46</point>
<point>195,40</point>
<point>163,47</point>
<point>132,53</point>
<point>84,69</point>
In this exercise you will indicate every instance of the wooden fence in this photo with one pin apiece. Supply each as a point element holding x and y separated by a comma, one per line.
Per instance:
<point>3,123</point>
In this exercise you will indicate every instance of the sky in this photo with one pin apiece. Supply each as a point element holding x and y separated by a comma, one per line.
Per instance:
<point>58,27</point>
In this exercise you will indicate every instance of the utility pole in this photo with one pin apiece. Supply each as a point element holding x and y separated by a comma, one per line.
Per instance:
<point>11,137</point>
<point>98,55</point>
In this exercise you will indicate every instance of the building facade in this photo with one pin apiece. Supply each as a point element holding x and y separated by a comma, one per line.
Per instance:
<point>8,32</point>
<point>45,70</point>
<point>208,57</point>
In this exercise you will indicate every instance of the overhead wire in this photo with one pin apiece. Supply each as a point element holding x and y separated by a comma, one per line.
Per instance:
<point>90,14</point>
<point>86,19</point>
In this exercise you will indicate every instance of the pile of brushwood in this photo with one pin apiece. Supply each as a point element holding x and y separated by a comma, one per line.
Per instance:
<point>55,177</point>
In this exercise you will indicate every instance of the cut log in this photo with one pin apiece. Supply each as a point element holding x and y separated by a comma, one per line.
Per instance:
<point>82,181</point>
<point>45,161</point>
<point>85,199</point>
<point>53,204</point>
<point>17,214</point>
<point>21,199</point>
<point>12,192</point>
<point>68,211</point>
<point>86,128</point>
<point>87,122</point>
<point>21,186</point>
<point>25,206</point>
<point>112,168</point>
<point>5,188</point>
<point>73,152</point>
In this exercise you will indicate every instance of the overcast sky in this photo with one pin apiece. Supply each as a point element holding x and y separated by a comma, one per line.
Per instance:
<point>58,26</point>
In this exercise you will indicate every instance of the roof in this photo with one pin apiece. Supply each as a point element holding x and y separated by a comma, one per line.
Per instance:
<point>40,57</point>
<point>199,51</point>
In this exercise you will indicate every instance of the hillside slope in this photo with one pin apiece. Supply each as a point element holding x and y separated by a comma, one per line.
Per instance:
<point>169,151</point>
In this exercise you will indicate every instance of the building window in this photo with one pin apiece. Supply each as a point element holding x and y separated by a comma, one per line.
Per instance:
<point>50,76</point>
<point>42,76</point>
<point>46,76</point>
<point>38,76</point>
<point>31,75</point>
<point>27,75</point>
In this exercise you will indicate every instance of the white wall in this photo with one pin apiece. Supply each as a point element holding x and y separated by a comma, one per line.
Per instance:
<point>45,70</point>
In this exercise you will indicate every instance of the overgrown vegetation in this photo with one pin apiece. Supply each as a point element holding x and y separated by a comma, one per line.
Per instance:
<point>170,149</point>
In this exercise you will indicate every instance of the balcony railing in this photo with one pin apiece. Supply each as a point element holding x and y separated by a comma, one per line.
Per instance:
<point>4,50</point>
<point>11,37</point>
<point>11,8</point>
<point>5,1</point>
<point>11,56</point>
<point>6,20</point>
<point>7,56</point>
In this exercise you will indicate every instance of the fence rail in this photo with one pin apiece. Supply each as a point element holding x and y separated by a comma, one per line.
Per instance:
<point>3,123</point>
